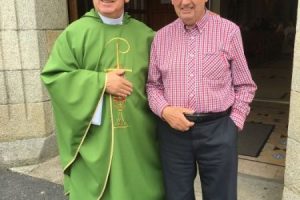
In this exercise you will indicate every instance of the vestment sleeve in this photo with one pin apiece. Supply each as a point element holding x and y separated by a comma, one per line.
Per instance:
<point>74,92</point>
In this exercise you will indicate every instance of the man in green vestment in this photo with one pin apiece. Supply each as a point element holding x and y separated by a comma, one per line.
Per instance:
<point>96,78</point>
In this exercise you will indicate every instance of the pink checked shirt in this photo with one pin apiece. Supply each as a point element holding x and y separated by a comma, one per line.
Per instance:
<point>203,68</point>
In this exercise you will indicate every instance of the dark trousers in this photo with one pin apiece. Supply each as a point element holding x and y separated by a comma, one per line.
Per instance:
<point>213,146</point>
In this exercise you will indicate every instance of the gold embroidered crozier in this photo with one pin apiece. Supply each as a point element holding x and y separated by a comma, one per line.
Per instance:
<point>119,102</point>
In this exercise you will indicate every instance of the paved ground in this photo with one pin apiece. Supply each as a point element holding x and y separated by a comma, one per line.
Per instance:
<point>48,178</point>
<point>15,186</point>
<point>253,188</point>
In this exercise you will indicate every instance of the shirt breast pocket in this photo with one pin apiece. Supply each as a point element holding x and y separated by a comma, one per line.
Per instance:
<point>215,65</point>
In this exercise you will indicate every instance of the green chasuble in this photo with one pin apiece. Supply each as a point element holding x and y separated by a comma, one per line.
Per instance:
<point>117,160</point>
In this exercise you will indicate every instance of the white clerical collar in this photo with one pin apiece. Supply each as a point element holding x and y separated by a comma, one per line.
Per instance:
<point>111,21</point>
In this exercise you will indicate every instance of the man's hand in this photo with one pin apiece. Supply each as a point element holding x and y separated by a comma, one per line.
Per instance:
<point>176,119</point>
<point>117,85</point>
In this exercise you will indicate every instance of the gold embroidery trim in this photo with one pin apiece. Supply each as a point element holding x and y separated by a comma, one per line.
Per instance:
<point>111,149</point>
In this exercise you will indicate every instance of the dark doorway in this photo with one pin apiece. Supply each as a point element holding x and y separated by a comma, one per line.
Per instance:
<point>136,8</point>
<point>268,27</point>
<point>77,8</point>
<point>160,14</point>
<point>268,32</point>
<point>155,13</point>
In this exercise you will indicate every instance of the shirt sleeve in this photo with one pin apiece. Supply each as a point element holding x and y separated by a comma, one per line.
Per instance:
<point>244,86</point>
<point>155,87</point>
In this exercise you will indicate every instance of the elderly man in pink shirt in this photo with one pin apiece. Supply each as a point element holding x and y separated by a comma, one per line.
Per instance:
<point>200,86</point>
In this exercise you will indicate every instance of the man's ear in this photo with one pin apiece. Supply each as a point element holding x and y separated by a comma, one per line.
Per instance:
<point>127,1</point>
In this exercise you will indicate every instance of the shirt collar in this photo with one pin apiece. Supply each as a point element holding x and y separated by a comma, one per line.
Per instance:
<point>200,24</point>
<point>111,21</point>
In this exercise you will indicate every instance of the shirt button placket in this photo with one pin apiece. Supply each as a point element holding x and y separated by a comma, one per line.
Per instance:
<point>191,71</point>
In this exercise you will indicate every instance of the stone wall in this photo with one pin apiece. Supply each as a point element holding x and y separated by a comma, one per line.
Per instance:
<point>27,31</point>
<point>292,171</point>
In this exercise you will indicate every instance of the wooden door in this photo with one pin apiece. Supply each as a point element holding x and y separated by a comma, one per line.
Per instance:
<point>160,14</point>
<point>136,8</point>
<point>77,8</point>
<point>154,13</point>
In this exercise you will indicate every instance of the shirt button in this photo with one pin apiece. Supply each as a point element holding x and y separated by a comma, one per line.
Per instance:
<point>192,37</point>
<point>192,55</point>
<point>191,95</point>
<point>191,75</point>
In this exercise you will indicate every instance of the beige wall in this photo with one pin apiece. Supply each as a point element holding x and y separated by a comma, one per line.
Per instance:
<point>27,30</point>
<point>292,171</point>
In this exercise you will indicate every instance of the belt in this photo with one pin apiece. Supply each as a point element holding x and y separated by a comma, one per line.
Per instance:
<point>204,117</point>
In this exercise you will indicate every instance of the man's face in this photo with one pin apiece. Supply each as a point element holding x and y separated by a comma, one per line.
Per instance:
<point>110,8</point>
<point>189,11</point>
